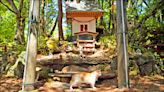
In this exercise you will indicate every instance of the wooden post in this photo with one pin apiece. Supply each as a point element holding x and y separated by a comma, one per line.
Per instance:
<point>122,57</point>
<point>31,50</point>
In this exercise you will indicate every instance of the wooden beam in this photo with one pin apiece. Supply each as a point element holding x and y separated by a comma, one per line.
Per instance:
<point>89,33</point>
<point>83,14</point>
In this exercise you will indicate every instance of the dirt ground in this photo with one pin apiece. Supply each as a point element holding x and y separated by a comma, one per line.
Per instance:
<point>137,84</point>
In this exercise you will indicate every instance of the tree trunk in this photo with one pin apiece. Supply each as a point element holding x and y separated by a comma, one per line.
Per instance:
<point>19,35</point>
<point>78,1</point>
<point>31,50</point>
<point>101,19</point>
<point>42,19</point>
<point>113,16</point>
<point>122,57</point>
<point>60,15</point>
<point>20,20</point>
<point>110,14</point>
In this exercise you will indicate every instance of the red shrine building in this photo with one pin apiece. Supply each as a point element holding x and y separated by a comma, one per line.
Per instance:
<point>82,15</point>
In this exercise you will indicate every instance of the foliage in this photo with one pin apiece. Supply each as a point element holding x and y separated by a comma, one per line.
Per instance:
<point>7,27</point>
<point>133,70</point>
<point>108,20</point>
<point>42,47</point>
<point>108,41</point>
<point>52,44</point>
<point>145,23</point>
<point>55,45</point>
<point>159,61</point>
<point>145,26</point>
<point>64,45</point>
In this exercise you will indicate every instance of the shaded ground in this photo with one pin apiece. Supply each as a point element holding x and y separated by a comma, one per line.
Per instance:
<point>10,84</point>
<point>137,84</point>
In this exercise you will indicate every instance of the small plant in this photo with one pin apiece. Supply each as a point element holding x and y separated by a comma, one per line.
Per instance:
<point>108,41</point>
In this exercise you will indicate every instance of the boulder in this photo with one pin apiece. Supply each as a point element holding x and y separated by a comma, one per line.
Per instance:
<point>73,69</point>
<point>145,63</point>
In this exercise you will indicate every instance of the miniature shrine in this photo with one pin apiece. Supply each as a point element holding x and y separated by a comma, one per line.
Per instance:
<point>82,15</point>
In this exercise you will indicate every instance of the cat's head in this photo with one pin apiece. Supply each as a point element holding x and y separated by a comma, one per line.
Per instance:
<point>98,73</point>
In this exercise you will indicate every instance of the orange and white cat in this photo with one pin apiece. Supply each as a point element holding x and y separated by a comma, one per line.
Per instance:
<point>85,77</point>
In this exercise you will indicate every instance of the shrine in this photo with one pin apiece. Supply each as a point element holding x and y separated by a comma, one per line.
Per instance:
<point>82,15</point>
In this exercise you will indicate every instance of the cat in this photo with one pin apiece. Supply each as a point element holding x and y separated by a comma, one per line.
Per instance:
<point>85,77</point>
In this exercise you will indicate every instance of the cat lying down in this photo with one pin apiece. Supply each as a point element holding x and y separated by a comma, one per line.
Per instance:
<point>85,77</point>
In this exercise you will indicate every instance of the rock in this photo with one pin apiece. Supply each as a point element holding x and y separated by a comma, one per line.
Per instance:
<point>92,68</point>
<point>56,84</point>
<point>43,73</point>
<point>44,89</point>
<point>103,67</point>
<point>108,68</point>
<point>53,86</point>
<point>114,66</point>
<point>145,63</point>
<point>133,68</point>
<point>73,69</point>
<point>63,56</point>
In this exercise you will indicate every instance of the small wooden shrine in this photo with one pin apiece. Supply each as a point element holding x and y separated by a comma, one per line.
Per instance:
<point>82,14</point>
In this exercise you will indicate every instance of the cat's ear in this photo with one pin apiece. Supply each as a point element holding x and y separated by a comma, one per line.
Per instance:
<point>99,70</point>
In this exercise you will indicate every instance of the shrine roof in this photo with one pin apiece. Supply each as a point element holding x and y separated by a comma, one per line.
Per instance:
<point>83,6</point>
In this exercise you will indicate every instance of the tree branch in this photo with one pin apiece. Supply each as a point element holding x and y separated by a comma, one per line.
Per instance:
<point>13,6</point>
<point>146,3</point>
<point>7,7</point>
<point>158,5</point>
<point>51,19</point>
<point>52,30</point>
<point>21,5</point>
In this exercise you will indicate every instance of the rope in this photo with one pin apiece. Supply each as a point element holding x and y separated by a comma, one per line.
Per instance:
<point>28,84</point>
<point>83,21</point>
